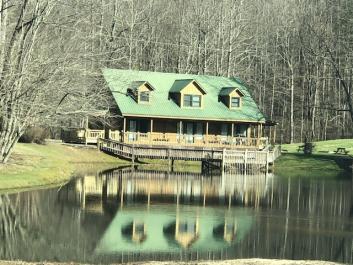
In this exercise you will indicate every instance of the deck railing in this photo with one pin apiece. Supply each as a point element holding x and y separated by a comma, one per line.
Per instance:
<point>169,139</point>
<point>114,135</point>
<point>193,140</point>
<point>94,134</point>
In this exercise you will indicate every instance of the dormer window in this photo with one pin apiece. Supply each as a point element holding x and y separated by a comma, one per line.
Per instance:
<point>187,93</point>
<point>144,97</point>
<point>235,102</point>
<point>192,101</point>
<point>231,97</point>
<point>141,92</point>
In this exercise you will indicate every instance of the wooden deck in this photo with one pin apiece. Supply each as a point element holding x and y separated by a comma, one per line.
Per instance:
<point>210,140</point>
<point>225,158</point>
<point>83,136</point>
<point>89,136</point>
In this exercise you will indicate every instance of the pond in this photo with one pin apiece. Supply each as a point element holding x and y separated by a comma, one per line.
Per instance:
<point>132,214</point>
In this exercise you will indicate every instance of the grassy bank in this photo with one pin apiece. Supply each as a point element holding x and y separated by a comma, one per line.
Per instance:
<point>323,147</point>
<point>33,165</point>
<point>322,163</point>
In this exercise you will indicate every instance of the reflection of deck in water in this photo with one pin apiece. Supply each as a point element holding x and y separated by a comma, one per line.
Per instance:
<point>177,187</point>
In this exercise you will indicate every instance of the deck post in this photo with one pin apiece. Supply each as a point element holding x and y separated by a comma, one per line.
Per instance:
<point>267,162</point>
<point>133,154</point>
<point>223,158</point>
<point>98,144</point>
<point>249,134</point>
<point>86,130</point>
<point>169,160</point>
<point>172,168</point>
<point>245,160</point>
<point>232,133</point>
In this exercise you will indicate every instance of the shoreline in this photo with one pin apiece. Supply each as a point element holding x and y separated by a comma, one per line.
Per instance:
<point>34,166</point>
<point>251,261</point>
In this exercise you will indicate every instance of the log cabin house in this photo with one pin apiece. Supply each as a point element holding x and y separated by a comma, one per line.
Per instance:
<point>184,110</point>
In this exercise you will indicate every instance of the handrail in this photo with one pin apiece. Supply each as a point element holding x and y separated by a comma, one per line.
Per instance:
<point>193,140</point>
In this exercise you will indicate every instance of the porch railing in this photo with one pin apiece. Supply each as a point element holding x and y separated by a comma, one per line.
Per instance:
<point>193,140</point>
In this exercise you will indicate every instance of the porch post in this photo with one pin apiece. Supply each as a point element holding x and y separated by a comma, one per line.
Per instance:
<point>206,140</point>
<point>258,135</point>
<point>180,133</point>
<point>124,129</point>
<point>249,134</point>
<point>261,130</point>
<point>86,130</point>
<point>151,126</point>
<point>232,132</point>
<point>274,134</point>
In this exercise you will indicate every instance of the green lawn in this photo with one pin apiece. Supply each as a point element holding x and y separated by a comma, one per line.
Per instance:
<point>322,163</point>
<point>32,165</point>
<point>324,146</point>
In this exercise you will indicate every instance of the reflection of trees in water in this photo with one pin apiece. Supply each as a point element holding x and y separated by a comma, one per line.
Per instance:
<point>36,226</point>
<point>20,217</point>
<point>304,219</point>
<point>11,229</point>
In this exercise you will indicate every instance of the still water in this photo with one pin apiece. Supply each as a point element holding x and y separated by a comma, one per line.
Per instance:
<point>133,214</point>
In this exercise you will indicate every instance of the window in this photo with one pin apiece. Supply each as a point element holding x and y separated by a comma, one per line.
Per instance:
<point>187,227</point>
<point>139,229</point>
<point>192,101</point>
<point>145,96</point>
<point>235,102</point>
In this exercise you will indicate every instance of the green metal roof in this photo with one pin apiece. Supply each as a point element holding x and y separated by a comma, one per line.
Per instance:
<point>163,106</point>
<point>180,84</point>
<point>137,84</point>
<point>227,90</point>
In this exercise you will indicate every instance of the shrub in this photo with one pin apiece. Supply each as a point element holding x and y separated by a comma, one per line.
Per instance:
<point>34,135</point>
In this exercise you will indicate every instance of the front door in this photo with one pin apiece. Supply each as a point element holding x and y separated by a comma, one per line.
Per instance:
<point>189,132</point>
<point>132,130</point>
<point>224,132</point>
<point>199,131</point>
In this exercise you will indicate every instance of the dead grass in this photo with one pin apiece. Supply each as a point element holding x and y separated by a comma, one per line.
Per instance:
<point>34,166</point>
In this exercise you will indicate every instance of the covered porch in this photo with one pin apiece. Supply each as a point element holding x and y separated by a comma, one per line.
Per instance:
<point>201,133</point>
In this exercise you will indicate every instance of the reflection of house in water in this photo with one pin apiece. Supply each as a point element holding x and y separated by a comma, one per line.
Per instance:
<point>226,230</point>
<point>177,187</point>
<point>183,231</point>
<point>163,227</point>
<point>136,231</point>
<point>171,228</point>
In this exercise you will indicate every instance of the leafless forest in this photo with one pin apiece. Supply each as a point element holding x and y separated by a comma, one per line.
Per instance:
<point>295,55</point>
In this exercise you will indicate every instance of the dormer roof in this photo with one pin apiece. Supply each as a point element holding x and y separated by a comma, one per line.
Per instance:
<point>180,84</point>
<point>137,84</point>
<point>163,107</point>
<point>225,91</point>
